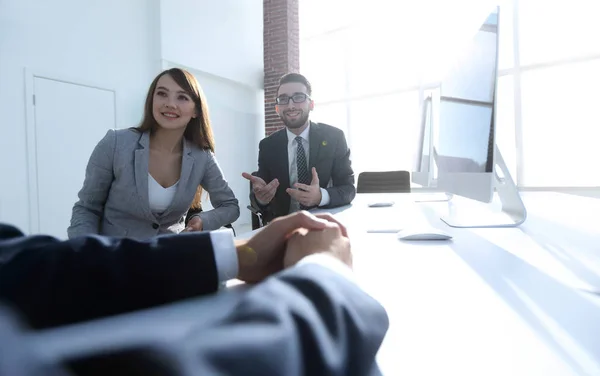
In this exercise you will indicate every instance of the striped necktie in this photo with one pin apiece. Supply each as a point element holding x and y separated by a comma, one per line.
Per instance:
<point>301,166</point>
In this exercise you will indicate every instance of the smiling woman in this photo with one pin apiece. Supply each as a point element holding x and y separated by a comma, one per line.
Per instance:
<point>142,181</point>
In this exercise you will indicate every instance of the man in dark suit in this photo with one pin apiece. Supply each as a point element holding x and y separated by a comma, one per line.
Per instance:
<point>304,165</point>
<point>310,318</point>
<point>54,282</point>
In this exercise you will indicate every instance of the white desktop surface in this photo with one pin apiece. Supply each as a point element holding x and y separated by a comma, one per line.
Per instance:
<point>479,304</point>
<point>484,303</point>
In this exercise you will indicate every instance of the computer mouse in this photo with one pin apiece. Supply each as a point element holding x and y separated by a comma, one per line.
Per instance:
<point>429,233</point>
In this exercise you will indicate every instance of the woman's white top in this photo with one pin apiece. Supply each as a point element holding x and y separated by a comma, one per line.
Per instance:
<point>160,197</point>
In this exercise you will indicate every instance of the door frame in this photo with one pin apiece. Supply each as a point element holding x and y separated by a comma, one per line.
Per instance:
<point>30,124</point>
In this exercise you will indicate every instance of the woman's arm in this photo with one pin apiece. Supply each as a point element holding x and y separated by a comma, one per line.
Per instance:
<point>87,212</point>
<point>226,206</point>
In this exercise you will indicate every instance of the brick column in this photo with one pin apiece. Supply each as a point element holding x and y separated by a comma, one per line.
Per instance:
<point>281,52</point>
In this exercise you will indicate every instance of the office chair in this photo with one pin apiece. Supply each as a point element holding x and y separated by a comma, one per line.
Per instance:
<point>383,182</point>
<point>257,218</point>
<point>257,215</point>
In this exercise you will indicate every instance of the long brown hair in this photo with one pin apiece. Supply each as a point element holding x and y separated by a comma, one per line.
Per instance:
<point>198,131</point>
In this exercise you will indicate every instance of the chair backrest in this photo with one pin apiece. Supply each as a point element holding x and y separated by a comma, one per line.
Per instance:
<point>256,217</point>
<point>255,213</point>
<point>383,182</point>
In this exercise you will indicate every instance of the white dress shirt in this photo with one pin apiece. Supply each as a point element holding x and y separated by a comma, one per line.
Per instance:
<point>293,167</point>
<point>159,197</point>
<point>225,254</point>
<point>227,261</point>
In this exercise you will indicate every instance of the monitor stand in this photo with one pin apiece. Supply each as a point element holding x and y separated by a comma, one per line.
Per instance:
<point>512,213</point>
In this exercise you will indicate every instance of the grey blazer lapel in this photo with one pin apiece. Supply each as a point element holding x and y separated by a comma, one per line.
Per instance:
<point>315,139</point>
<point>141,174</point>
<point>187,165</point>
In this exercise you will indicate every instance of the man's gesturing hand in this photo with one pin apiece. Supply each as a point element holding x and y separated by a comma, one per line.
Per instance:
<point>307,195</point>
<point>263,192</point>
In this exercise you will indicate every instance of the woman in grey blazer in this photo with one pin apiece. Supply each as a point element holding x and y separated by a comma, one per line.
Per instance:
<point>142,181</point>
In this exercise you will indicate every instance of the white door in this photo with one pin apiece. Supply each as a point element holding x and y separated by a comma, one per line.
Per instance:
<point>70,119</point>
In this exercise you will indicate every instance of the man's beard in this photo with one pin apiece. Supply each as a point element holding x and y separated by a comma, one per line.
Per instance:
<point>294,124</point>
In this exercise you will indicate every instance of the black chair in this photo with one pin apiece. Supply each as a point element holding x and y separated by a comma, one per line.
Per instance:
<point>383,182</point>
<point>256,214</point>
<point>192,212</point>
<point>257,221</point>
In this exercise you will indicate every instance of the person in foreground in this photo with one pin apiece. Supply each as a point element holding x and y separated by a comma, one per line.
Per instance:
<point>304,315</point>
<point>141,182</point>
<point>304,165</point>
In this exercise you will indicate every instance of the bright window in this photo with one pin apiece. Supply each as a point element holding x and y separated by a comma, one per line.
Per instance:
<point>335,114</point>
<point>371,64</point>
<point>383,131</point>
<point>560,125</point>
<point>505,124</point>
<point>558,29</point>
<point>326,67</point>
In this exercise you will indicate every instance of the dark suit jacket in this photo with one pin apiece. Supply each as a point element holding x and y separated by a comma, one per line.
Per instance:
<point>328,153</point>
<point>52,282</point>
<point>307,320</point>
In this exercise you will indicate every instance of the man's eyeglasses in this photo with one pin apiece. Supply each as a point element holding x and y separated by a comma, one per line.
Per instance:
<point>296,98</point>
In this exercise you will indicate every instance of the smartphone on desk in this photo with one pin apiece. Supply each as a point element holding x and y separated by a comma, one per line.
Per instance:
<point>381,204</point>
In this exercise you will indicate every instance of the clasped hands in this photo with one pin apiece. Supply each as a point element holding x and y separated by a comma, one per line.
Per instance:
<point>287,240</point>
<point>307,195</point>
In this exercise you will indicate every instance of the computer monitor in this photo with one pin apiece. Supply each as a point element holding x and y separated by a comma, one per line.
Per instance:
<point>464,147</point>
<point>422,173</point>
<point>464,151</point>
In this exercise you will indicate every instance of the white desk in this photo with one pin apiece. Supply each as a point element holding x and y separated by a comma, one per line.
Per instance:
<point>481,304</point>
<point>499,301</point>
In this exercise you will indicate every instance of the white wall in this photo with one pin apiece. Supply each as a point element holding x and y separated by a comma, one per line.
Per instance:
<point>218,37</point>
<point>109,43</point>
<point>122,45</point>
<point>221,43</point>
